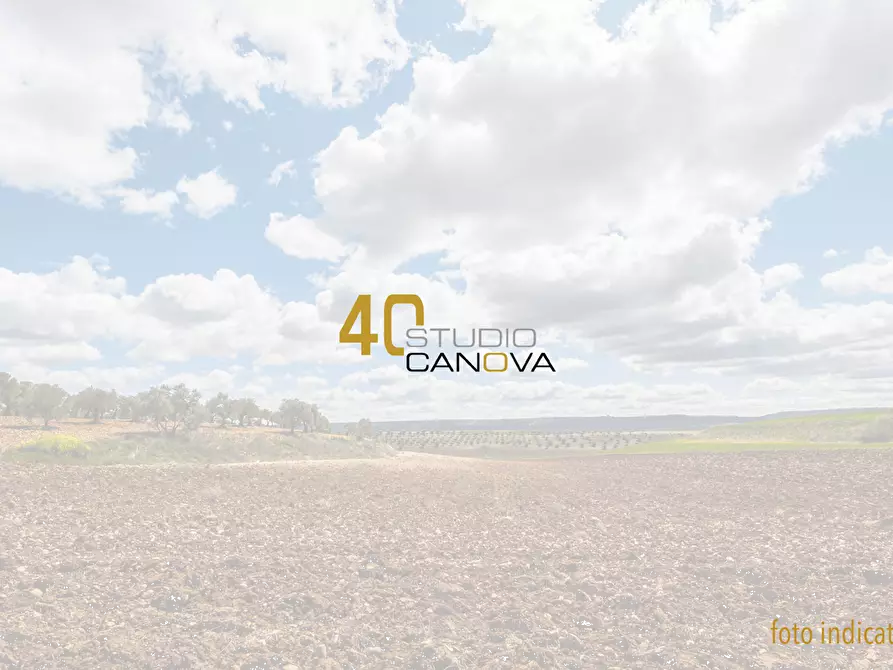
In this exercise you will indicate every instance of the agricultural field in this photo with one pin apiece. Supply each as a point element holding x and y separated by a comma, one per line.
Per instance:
<point>507,442</point>
<point>127,442</point>
<point>829,428</point>
<point>440,563</point>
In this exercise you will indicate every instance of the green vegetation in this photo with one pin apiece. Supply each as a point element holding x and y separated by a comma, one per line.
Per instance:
<point>464,442</point>
<point>168,409</point>
<point>51,448</point>
<point>719,446</point>
<point>362,429</point>
<point>191,447</point>
<point>844,427</point>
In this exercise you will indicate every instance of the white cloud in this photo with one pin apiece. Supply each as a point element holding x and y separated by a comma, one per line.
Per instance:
<point>63,314</point>
<point>208,194</point>
<point>377,377</point>
<point>831,253</point>
<point>229,315</point>
<point>563,364</point>
<point>227,126</point>
<point>628,223</point>
<point>124,379</point>
<point>13,353</point>
<point>208,384</point>
<point>873,275</point>
<point>286,168</point>
<point>71,304</point>
<point>173,116</point>
<point>422,397</point>
<point>146,201</point>
<point>299,237</point>
<point>75,80</point>
<point>780,276</point>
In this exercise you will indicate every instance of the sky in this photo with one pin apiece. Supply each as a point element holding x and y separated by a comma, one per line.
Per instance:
<point>690,201</point>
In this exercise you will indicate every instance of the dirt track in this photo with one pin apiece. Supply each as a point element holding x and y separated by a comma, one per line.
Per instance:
<point>617,562</point>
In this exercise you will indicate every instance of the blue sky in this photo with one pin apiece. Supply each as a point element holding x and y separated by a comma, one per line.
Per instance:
<point>741,330</point>
<point>44,232</point>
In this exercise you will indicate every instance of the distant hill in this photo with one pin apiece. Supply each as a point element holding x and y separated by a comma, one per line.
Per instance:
<point>829,426</point>
<point>669,422</point>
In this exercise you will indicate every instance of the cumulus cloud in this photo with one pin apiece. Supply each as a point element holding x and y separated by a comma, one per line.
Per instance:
<point>77,77</point>
<point>300,237</point>
<point>146,201</point>
<point>123,379</point>
<point>570,363</point>
<point>228,315</point>
<point>173,116</point>
<point>609,191</point>
<point>75,301</point>
<point>780,276</point>
<point>14,353</point>
<point>392,396</point>
<point>873,275</point>
<point>208,194</point>
<point>630,221</point>
<point>63,314</point>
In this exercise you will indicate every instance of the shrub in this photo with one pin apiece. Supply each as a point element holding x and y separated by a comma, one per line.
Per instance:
<point>57,445</point>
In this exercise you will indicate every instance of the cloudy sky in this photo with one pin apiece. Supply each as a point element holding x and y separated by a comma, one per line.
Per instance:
<point>692,201</point>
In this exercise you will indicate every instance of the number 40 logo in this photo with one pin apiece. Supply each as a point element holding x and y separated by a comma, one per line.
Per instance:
<point>362,311</point>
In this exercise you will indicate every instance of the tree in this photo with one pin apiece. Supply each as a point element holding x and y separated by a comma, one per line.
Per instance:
<point>194,412</point>
<point>95,403</point>
<point>314,417</point>
<point>245,409</point>
<point>23,403</point>
<point>220,408</point>
<point>170,408</point>
<point>291,412</point>
<point>67,408</point>
<point>127,407</point>
<point>47,400</point>
<point>186,407</point>
<point>364,429</point>
<point>266,417</point>
<point>142,406</point>
<point>156,407</point>
<point>9,393</point>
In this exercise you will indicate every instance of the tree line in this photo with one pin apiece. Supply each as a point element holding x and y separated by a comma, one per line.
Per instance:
<point>168,408</point>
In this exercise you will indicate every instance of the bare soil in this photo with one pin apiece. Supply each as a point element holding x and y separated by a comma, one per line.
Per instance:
<point>17,430</point>
<point>677,561</point>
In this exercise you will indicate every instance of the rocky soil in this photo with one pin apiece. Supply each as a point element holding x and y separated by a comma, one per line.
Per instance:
<point>677,561</point>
